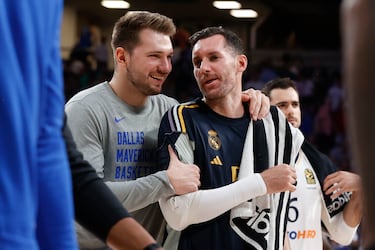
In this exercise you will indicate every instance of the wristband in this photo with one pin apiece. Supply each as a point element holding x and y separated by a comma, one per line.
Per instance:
<point>152,246</point>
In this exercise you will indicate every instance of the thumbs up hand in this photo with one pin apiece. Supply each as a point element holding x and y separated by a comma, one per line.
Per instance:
<point>183,177</point>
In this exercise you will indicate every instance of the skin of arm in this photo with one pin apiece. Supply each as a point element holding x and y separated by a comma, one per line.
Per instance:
<point>128,234</point>
<point>353,211</point>
<point>347,182</point>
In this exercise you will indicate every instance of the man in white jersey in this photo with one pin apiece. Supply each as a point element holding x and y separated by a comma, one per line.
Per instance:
<point>308,209</point>
<point>115,124</point>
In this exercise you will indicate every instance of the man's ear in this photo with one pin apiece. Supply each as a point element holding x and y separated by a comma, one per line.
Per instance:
<point>242,63</point>
<point>120,55</point>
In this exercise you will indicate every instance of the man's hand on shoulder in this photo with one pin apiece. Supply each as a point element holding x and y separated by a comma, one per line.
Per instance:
<point>259,103</point>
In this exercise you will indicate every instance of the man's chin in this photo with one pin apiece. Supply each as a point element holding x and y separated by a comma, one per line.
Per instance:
<point>154,91</point>
<point>294,123</point>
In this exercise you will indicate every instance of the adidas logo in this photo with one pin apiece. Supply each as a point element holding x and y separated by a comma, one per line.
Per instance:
<point>216,161</point>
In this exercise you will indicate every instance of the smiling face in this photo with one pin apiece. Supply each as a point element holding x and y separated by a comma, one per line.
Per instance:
<point>149,63</point>
<point>217,68</point>
<point>288,101</point>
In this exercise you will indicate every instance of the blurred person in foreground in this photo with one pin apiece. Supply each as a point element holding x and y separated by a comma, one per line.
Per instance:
<point>36,208</point>
<point>327,200</point>
<point>358,39</point>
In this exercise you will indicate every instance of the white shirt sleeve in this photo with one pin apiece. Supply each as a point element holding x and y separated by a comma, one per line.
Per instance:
<point>337,228</point>
<point>203,205</point>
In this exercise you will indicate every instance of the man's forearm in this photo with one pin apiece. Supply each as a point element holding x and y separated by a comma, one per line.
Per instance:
<point>353,210</point>
<point>129,234</point>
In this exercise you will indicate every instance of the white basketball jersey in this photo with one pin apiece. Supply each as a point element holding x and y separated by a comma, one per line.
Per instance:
<point>304,218</point>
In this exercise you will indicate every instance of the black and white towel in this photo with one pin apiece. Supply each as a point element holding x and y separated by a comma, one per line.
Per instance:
<point>262,221</point>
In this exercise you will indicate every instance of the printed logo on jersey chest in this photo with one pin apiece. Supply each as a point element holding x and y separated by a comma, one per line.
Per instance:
<point>213,140</point>
<point>309,175</point>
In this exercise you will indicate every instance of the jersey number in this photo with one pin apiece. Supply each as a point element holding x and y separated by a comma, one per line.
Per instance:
<point>292,210</point>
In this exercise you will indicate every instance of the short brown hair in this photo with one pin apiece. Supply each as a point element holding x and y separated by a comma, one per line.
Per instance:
<point>279,83</point>
<point>231,38</point>
<point>126,30</point>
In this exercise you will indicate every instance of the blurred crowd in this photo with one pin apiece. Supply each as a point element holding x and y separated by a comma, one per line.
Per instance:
<point>87,64</point>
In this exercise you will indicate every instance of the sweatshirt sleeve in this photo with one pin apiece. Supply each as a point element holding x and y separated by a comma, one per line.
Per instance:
<point>139,193</point>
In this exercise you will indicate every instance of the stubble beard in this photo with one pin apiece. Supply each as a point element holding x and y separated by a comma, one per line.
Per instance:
<point>142,86</point>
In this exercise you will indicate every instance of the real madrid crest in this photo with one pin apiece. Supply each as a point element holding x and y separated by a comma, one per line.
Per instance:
<point>214,140</point>
<point>309,175</point>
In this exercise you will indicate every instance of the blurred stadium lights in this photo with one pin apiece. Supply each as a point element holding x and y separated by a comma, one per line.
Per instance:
<point>225,5</point>
<point>244,13</point>
<point>115,4</point>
